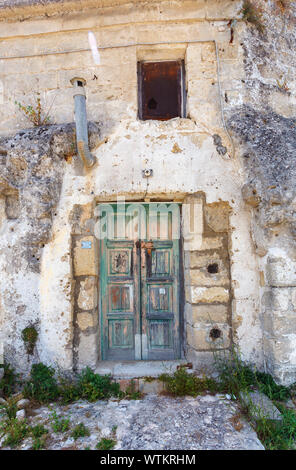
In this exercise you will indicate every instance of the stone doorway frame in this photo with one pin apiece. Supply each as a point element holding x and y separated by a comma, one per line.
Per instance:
<point>205,307</point>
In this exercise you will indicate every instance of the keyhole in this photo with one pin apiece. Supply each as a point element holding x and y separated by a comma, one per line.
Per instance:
<point>152,104</point>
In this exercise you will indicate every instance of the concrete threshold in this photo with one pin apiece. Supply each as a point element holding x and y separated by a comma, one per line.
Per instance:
<point>135,369</point>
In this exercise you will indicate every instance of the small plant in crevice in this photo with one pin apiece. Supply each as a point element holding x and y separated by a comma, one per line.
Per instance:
<point>93,387</point>
<point>59,423</point>
<point>235,377</point>
<point>39,443</point>
<point>34,112</point>
<point>68,391</point>
<point>181,383</point>
<point>10,407</point>
<point>38,430</point>
<point>14,430</point>
<point>42,385</point>
<point>131,392</point>
<point>282,85</point>
<point>240,380</point>
<point>80,430</point>
<point>30,336</point>
<point>149,379</point>
<point>251,14</point>
<point>106,444</point>
<point>39,434</point>
<point>278,435</point>
<point>8,381</point>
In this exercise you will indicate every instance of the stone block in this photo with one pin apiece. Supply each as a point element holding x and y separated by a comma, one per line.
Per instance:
<point>87,350</point>
<point>193,54</point>
<point>211,243</point>
<point>217,216</point>
<point>192,214</point>
<point>209,294</point>
<point>277,323</point>
<point>268,323</point>
<point>268,348</point>
<point>201,277</point>
<point>86,261</point>
<point>88,294</point>
<point>128,384</point>
<point>81,218</point>
<point>208,336</point>
<point>284,350</point>
<point>196,314</point>
<point>220,9</point>
<point>198,260</point>
<point>229,51</point>
<point>281,272</point>
<point>202,89</point>
<point>151,386</point>
<point>284,375</point>
<point>208,52</point>
<point>87,320</point>
<point>279,298</point>
<point>260,406</point>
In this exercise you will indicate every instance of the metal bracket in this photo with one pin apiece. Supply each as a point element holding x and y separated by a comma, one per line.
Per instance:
<point>147,173</point>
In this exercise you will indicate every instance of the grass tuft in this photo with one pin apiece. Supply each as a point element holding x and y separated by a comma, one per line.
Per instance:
<point>106,444</point>
<point>80,430</point>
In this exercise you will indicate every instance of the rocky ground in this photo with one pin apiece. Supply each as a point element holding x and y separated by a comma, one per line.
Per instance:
<point>154,422</point>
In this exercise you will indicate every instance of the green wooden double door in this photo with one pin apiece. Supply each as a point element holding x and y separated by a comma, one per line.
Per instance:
<point>139,282</point>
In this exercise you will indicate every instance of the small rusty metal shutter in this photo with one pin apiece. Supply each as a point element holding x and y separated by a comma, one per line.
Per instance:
<point>161,90</point>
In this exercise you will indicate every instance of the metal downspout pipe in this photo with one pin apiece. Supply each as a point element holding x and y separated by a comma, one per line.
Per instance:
<point>81,122</point>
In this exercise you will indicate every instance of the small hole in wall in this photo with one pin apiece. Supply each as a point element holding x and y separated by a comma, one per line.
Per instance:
<point>213,268</point>
<point>215,333</point>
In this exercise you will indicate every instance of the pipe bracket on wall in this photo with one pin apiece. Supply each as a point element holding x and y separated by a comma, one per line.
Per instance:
<point>81,122</point>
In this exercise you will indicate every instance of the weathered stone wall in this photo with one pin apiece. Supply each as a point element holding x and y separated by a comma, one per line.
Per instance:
<point>264,131</point>
<point>207,280</point>
<point>32,168</point>
<point>245,214</point>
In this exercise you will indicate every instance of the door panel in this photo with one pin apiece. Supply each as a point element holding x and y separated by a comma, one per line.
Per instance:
<point>160,299</point>
<point>140,287</point>
<point>119,304</point>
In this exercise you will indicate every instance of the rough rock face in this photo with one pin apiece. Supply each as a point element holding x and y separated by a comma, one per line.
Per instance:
<point>31,178</point>
<point>270,162</point>
<point>264,131</point>
<point>266,126</point>
<point>31,167</point>
<point>153,423</point>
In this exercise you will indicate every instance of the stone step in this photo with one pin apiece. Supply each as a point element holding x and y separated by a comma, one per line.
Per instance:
<point>143,385</point>
<point>137,369</point>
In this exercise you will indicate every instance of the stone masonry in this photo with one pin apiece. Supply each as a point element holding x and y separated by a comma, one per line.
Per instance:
<point>229,161</point>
